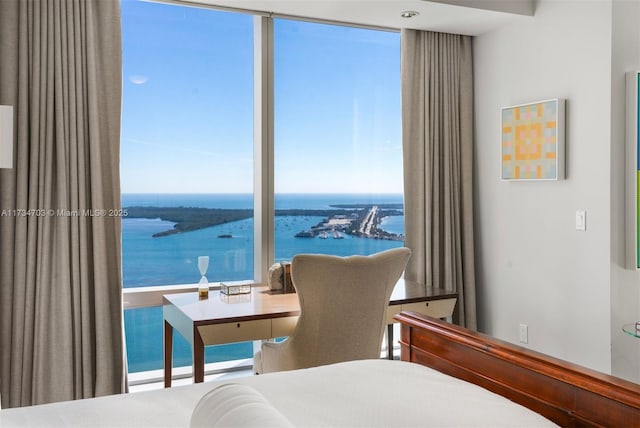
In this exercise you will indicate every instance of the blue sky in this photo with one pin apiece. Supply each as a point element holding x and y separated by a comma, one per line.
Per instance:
<point>187,119</point>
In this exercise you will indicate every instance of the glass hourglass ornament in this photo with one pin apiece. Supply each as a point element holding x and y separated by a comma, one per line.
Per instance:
<point>203,285</point>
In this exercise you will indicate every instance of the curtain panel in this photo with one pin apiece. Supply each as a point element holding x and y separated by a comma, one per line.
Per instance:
<point>437,129</point>
<point>60,269</point>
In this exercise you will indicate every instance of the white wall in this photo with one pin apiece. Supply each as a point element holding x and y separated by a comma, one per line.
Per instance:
<point>625,284</point>
<point>533,266</point>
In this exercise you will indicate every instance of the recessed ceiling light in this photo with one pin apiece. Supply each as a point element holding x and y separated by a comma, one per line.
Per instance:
<point>409,14</point>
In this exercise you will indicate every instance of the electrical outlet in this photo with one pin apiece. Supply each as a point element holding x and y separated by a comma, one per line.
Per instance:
<point>524,333</point>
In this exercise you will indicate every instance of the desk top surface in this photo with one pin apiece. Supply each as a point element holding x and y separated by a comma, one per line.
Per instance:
<point>220,308</point>
<point>410,291</point>
<point>261,303</point>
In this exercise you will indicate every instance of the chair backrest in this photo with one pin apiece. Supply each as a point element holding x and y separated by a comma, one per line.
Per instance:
<point>343,303</point>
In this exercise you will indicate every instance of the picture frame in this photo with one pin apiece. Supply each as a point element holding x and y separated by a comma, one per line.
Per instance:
<point>632,171</point>
<point>532,141</point>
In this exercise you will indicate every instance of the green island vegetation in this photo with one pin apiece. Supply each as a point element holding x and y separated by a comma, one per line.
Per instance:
<point>357,220</point>
<point>188,219</point>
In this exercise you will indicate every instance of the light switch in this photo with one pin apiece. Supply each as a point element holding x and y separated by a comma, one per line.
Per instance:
<point>581,220</point>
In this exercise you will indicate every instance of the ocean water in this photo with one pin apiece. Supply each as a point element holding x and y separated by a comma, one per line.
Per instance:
<point>172,259</point>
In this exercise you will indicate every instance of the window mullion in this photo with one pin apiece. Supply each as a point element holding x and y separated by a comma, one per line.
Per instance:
<point>264,211</point>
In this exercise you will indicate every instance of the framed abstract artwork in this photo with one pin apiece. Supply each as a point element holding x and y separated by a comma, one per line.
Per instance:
<point>533,141</point>
<point>632,172</point>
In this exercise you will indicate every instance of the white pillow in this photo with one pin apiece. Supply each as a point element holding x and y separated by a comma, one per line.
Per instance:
<point>236,405</point>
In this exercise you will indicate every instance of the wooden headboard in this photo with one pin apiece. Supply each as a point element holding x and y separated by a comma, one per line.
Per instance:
<point>568,394</point>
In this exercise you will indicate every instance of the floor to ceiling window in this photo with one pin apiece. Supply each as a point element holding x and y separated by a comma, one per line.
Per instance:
<point>187,152</point>
<point>337,139</point>
<point>186,159</point>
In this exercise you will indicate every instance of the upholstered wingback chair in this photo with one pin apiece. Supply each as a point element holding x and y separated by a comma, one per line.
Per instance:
<point>343,303</point>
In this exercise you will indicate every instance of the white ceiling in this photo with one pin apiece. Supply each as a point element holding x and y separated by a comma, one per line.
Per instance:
<point>470,17</point>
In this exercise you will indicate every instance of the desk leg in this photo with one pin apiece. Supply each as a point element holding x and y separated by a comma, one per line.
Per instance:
<point>168,353</point>
<point>390,341</point>
<point>198,357</point>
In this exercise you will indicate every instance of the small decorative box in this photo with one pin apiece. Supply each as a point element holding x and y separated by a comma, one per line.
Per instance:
<point>233,288</point>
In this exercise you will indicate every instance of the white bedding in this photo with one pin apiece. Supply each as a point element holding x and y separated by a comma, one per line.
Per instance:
<point>371,393</point>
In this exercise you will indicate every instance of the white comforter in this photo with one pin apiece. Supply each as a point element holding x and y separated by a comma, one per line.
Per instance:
<point>371,393</point>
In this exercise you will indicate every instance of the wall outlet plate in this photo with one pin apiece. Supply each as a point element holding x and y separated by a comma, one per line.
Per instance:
<point>524,333</point>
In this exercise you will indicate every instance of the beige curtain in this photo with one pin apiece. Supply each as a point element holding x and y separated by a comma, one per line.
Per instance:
<point>437,128</point>
<point>60,273</point>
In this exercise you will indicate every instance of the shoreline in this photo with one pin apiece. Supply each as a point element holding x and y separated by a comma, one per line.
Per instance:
<point>360,220</point>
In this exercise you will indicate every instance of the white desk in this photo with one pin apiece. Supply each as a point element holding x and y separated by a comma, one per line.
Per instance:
<point>264,315</point>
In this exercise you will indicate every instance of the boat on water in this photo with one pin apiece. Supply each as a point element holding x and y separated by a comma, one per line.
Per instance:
<point>225,235</point>
<point>323,235</point>
<point>337,235</point>
<point>305,234</point>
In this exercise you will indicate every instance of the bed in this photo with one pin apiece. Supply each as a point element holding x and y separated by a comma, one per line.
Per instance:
<point>568,394</point>
<point>449,376</point>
